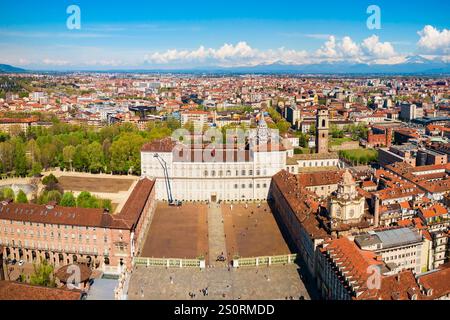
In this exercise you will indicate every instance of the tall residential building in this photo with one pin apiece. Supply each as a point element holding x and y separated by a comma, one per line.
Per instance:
<point>410,112</point>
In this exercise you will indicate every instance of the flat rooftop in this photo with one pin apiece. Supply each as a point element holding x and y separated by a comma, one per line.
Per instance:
<point>388,238</point>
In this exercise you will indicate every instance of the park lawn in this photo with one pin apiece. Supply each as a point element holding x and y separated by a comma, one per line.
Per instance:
<point>359,154</point>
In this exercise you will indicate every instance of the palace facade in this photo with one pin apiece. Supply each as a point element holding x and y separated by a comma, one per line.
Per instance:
<point>214,173</point>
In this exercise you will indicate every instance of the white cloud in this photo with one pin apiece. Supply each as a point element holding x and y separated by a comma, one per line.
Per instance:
<point>433,40</point>
<point>346,48</point>
<point>373,47</point>
<point>349,48</point>
<point>55,62</point>
<point>242,54</point>
<point>328,50</point>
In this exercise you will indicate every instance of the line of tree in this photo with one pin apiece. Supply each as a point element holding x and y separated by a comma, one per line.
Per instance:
<point>281,124</point>
<point>112,149</point>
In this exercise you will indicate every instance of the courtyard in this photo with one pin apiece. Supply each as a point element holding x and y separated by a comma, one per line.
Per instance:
<point>178,232</point>
<point>252,231</point>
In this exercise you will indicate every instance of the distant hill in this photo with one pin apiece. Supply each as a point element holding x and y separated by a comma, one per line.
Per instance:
<point>413,65</point>
<point>6,68</point>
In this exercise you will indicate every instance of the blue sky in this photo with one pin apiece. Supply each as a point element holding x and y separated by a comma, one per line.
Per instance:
<point>136,34</point>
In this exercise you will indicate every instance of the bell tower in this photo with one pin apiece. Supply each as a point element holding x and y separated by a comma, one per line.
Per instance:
<point>322,131</point>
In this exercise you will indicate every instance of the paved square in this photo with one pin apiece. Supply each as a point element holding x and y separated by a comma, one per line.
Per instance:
<point>262,283</point>
<point>178,232</point>
<point>252,231</point>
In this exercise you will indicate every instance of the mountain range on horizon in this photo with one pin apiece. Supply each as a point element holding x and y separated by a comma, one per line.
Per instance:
<point>412,65</point>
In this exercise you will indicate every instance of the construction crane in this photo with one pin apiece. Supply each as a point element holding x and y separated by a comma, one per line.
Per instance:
<point>170,199</point>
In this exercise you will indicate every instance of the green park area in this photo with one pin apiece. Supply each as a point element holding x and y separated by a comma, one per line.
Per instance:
<point>359,156</point>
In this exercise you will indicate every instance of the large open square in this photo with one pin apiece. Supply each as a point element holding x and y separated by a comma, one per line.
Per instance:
<point>178,232</point>
<point>252,231</point>
<point>262,283</point>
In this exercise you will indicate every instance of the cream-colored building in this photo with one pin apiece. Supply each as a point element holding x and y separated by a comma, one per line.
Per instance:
<point>400,248</point>
<point>220,173</point>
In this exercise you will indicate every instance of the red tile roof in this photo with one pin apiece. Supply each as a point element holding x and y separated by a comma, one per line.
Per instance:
<point>126,219</point>
<point>21,291</point>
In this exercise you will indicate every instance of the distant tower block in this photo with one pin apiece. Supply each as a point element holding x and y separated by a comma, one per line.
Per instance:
<point>322,131</point>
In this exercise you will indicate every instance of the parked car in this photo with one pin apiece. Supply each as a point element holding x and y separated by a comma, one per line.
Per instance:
<point>14,262</point>
<point>21,263</point>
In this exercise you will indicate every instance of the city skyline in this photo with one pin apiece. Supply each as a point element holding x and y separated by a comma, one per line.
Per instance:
<point>152,36</point>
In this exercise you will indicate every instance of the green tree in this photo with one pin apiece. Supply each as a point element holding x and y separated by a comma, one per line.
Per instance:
<point>50,179</point>
<point>21,197</point>
<point>125,153</point>
<point>54,195</point>
<point>283,126</point>
<point>81,158</point>
<point>95,157</point>
<point>106,204</point>
<point>68,200</point>
<point>8,193</point>
<point>303,140</point>
<point>20,159</point>
<point>7,156</point>
<point>43,275</point>
<point>68,154</point>
<point>36,169</point>
<point>34,151</point>
<point>87,200</point>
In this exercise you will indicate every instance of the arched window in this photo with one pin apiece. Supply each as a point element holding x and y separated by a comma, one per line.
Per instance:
<point>323,123</point>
